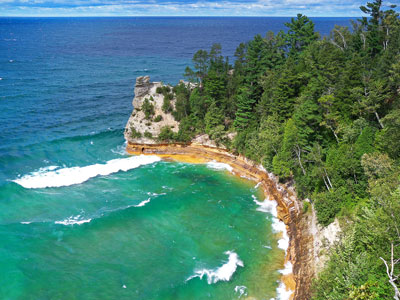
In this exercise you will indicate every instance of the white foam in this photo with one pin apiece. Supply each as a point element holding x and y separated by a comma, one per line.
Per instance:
<point>120,150</point>
<point>46,177</point>
<point>241,289</point>
<point>223,273</point>
<point>143,203</point>
<point>257,185</point>
<point>155,194</point>
<point>288,269</point>
<point>73,220</point>
<point>282,292</point>
<point>219,166</point>
<point>25,222</point>
<point>269,206</point>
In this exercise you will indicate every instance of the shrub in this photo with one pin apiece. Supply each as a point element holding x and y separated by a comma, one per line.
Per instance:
<point>148,109</point>
<point>166,134</point>
<point>148,135</point>
<point>306,204</point>
<point>158,118</point>
<point>159,90</point>
<point>135,134</point>
<point>167,107</point>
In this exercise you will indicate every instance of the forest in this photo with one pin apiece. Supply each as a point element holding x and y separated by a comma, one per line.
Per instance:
<point>325,113</point>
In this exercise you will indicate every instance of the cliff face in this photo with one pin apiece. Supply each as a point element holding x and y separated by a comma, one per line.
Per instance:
<point>307,240</point>
<point>138,124</point>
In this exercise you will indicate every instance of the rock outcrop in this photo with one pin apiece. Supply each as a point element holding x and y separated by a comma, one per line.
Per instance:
<point>138,124</point>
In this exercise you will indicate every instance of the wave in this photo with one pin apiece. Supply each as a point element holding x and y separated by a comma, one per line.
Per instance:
<point>282,292</point>
<point>143,203</point>
<point>44,177</point>
<point>120,150</point>
<point>241,289</point>
<point>269,206</point>
<point>223,273</point>
<point>219,166</point>
<point>73,220</point>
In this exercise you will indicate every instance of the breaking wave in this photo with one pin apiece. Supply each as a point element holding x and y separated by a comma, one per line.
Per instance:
<point>223,273</point>
<point>219,166</point>
<point>53,177</point>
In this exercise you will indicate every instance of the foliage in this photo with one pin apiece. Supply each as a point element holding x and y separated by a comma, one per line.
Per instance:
<point>148,135</point>
<point>135,134</point>
<point>148,109</point>
<point>324,112</point>
<point>158,118</point>
<point>166,134</point>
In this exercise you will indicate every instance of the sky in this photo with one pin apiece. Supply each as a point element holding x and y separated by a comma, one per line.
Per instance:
<point>60,8</point>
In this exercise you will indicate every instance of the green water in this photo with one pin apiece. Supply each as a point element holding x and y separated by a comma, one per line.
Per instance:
<point>190,215</point>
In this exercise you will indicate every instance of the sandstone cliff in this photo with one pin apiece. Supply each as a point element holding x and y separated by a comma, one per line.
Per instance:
<point>138,124</point>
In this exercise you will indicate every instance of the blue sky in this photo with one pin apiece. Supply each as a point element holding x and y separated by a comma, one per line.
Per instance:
<point>182,7</point>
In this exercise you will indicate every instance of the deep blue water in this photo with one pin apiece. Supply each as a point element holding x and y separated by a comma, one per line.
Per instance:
<point>73,76</point>
<point>66,93</point>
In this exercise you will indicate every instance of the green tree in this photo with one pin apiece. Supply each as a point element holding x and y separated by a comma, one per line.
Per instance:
<point>300,34</point>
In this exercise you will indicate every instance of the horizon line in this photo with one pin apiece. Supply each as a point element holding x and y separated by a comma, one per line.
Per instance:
<point>177,16</point>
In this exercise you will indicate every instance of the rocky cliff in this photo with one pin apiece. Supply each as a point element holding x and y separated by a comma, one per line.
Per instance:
<point>142,128</point>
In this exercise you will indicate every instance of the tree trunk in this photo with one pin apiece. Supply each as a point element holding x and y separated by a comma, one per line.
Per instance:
<point>334,133</point>
<point>379,120</point>
<point>389,271</point>
<point>327,177</point>
<point>298,154</point>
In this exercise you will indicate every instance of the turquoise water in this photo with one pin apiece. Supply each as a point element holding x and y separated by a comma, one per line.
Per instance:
<point>79,219</point>
<point>144,233</point>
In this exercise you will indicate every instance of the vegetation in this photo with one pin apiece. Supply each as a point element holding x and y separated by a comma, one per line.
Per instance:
<point>148,109</point>
<point>148,135</point>
<point>158,118</point>
<point>135,134</point>
<point>326,113</point>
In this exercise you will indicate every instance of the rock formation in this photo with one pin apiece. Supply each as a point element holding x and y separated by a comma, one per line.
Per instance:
<point>138,124</point>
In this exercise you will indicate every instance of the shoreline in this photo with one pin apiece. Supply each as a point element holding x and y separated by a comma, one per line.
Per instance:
<point>288,208</point>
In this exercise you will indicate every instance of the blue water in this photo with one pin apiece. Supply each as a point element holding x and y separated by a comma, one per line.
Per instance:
<point>66,93</point>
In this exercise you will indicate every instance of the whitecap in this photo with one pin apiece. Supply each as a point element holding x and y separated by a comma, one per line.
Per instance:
<point>155,194</point>
<point>120,150</point>
<point>223,273</point>
<point>26,223</point>
<point>73,220</point>
<point>143,203</point>
<point>282,292</point>
<point>269,206</point>
<point>219,166</point>
<point>241,289</point>
<point>49,177</point>
<point>288,269</point>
